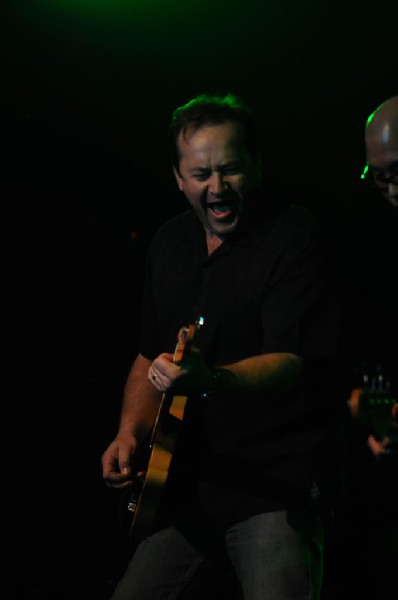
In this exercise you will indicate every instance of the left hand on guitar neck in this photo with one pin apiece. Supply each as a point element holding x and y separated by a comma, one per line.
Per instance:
<point>185,370</point>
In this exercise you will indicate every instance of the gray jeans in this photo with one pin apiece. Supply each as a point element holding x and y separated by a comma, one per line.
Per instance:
<point>270,556</point>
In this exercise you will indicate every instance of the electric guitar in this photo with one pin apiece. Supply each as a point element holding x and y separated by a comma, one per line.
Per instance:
<point>374,406</point>
<point>155,458</point>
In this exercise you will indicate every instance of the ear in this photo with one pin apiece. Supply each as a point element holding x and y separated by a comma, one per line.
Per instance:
<point>179,180</point>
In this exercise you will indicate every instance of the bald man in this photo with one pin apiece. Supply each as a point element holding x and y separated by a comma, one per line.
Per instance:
<point>381,172</point>
<point>381,140</point>
<point>369,551</point>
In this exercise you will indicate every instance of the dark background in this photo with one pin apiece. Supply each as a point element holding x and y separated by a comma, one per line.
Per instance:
<point>87,92</point>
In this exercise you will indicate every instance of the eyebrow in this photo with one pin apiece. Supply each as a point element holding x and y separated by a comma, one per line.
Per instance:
<point>227,164</point>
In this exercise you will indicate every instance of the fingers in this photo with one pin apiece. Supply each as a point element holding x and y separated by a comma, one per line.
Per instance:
<point>116,462</point>
<point>118,478</point>
<point>379,448</point>
<point>118,484</point>
<point>158,379</point>
<point>163,373</point>
<point>153,376</point>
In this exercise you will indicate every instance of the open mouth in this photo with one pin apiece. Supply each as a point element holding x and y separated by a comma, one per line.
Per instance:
<point>224,209</point>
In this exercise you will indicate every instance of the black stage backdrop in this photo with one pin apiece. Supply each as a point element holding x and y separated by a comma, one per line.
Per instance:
<point>87,92</point>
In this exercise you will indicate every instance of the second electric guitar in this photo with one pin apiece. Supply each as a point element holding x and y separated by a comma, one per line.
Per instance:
<point>373,405</point>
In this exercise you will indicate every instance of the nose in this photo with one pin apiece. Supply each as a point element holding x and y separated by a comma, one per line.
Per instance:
<point>217,183</point>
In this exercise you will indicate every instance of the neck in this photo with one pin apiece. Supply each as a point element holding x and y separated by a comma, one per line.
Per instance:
<point>213,242</point>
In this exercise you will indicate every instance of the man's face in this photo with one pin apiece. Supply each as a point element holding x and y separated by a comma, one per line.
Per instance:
<point>382,160</point>
<point>216,173</point>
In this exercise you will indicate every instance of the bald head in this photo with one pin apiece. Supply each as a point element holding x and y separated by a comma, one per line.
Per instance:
<point>382,125</point>
<point>381,140</point>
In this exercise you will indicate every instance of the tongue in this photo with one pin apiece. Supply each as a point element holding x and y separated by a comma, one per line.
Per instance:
<point>221,211</point>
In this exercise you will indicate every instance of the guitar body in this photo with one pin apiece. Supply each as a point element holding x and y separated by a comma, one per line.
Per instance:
<point>148,486</point>
<point>147,489</point>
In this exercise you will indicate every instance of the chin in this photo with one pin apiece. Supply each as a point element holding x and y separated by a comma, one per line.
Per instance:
<point>225,232</point>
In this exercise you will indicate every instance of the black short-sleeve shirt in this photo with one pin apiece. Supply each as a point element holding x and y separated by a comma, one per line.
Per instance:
<point>269,289</point>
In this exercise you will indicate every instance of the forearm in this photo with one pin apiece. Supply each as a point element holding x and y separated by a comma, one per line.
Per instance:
<point>275,372</point>
<point>141,400</point>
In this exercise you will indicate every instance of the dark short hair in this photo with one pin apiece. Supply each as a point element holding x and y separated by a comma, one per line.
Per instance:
<point>209,109</point>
